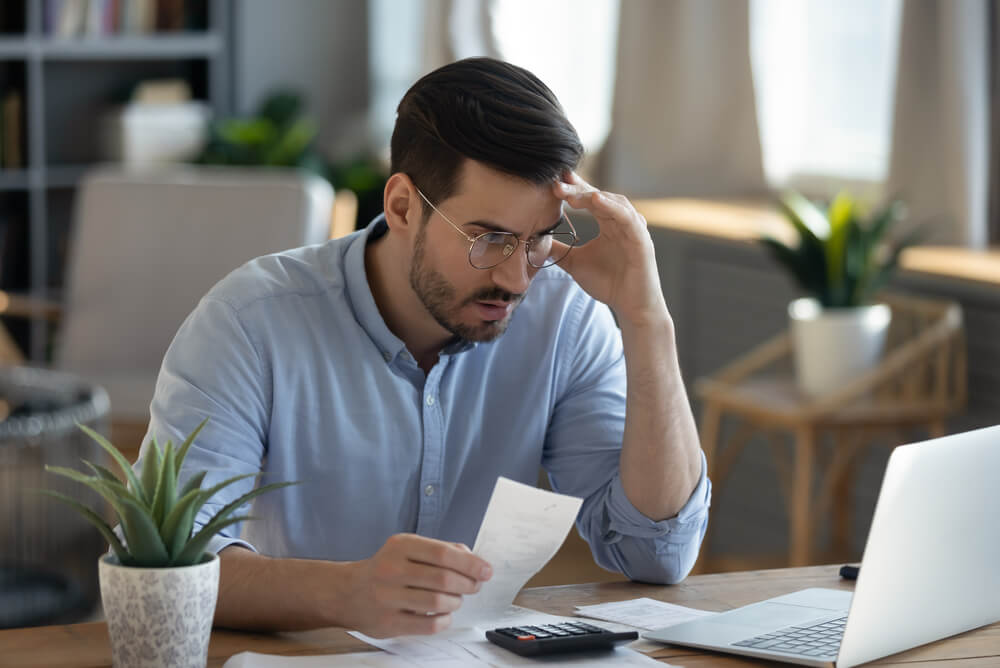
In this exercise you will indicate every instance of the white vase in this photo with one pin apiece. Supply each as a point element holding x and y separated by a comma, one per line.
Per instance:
<point>833,346</point>
<point>159,617</point>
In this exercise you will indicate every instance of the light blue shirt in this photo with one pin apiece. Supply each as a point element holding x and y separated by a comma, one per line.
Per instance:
<point>301,378</point>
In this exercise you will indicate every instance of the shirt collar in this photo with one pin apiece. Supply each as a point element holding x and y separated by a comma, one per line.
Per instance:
<point>365,309</point>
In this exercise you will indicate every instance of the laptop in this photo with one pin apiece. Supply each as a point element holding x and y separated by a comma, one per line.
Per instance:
<point>931,569</point>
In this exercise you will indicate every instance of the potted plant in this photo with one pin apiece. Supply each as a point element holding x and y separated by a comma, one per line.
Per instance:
<point>159,587</point>
<point>842,258</point>
<point>281,134</point>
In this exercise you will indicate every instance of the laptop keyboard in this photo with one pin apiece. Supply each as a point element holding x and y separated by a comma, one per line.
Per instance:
<point>816,640</point>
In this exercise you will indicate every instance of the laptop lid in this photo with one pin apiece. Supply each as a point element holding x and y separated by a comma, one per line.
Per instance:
<point>931,566</point>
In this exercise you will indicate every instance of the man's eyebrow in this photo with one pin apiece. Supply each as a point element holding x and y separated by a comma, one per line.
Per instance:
<point>494,227</point>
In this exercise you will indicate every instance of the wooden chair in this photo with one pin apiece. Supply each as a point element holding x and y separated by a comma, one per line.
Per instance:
<point>920,382</point>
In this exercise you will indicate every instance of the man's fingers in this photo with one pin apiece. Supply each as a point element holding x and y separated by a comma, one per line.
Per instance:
<point>439,553</point>
<point>440,579</point>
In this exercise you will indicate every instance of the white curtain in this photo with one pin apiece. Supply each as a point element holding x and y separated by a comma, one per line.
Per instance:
<point>684,120</point>
<point>568,44</point>
<point>940,145</point>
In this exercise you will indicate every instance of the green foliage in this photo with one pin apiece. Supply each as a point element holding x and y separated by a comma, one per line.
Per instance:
<point>842,257</point>
<point>156,513</point>
<point>278,135</point>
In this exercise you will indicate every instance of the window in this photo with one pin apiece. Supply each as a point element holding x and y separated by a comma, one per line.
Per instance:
<point>570,45</point>
<point>824,77</point>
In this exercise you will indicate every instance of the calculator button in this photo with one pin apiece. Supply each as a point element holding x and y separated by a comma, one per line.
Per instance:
<point>510,633</point>
<point>588,627</point>
<point>537,632</point>
<point>572,630</point>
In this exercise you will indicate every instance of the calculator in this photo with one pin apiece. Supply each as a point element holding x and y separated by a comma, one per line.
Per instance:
<point>557,638</point>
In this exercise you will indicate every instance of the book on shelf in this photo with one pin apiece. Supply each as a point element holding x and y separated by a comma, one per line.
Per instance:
<point>12,130</point>
<point>102,18</point>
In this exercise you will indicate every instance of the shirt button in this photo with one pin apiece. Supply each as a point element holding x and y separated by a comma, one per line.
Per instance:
<point>429,490</point>
<point>430,401</point>
<point>387,356</point>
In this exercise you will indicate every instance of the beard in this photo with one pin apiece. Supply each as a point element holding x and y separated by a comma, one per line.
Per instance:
<point>439,298</point>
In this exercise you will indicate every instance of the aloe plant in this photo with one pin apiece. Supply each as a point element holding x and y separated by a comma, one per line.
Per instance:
<point>842,257</point>
<point>155,512</point>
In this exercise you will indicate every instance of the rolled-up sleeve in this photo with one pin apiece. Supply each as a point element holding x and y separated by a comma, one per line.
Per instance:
<point>582,455</point>
<point>213,369</point>
<point>625,540</point>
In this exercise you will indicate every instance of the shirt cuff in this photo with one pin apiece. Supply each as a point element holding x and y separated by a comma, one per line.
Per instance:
<point>624,519</point>
<point>217,544</point>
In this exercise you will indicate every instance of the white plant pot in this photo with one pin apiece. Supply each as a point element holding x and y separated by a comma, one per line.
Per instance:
<point>159,617</point>
<point>832,346</point>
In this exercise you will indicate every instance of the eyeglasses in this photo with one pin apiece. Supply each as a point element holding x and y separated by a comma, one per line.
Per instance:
<point>489,249</point>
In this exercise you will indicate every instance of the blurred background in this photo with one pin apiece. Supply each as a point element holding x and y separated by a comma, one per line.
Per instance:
<point>134,131</point>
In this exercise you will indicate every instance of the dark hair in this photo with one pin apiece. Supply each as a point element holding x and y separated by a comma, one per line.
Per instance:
<point>486,110</point>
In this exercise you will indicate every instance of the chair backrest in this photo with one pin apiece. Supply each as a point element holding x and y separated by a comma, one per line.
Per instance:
<point>148,245</point>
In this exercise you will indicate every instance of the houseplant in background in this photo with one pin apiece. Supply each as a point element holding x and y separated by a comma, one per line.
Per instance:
<point>842,258</point>
<point>281,134</point>
<point>159,588</point>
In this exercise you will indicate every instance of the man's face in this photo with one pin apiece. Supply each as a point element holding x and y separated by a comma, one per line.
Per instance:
<point>474,304</point>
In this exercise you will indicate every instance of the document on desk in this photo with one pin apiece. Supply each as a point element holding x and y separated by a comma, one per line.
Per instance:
<point>641,613</point>
<point>366,659</point>
<point>522,529</point>
<point>468,646</point>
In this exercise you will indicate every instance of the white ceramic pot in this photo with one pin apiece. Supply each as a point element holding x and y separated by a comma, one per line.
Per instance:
<point>159,617</point>
<point>833,346</point>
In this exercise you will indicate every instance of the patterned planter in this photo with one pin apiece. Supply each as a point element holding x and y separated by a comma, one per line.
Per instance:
<point>159,617</point>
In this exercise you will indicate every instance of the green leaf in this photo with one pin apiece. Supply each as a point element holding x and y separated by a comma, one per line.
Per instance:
<point>177,529</point>
<point>233,505</point>
<point>113,491</point>
<point>193,483</point>
<point>142,537</point>
<point>196,546</point>
<point>807,268</point>
<point>289,146</point>
<point>219,519</point>
<point>166,487</point>
<point>102,472</point>
<point>841,215</point>
<point>97,521</point>
<point>119,459</point>
<point>185,446</point>
<point>150,475</point>
<point>810,222</point>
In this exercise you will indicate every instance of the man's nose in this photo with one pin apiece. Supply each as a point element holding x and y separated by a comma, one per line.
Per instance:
<point>514,274</point>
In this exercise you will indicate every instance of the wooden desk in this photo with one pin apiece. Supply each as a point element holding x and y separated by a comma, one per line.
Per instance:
<point>86,645</point>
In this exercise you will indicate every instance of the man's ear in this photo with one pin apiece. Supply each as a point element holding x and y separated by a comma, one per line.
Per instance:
<point>401,203</point>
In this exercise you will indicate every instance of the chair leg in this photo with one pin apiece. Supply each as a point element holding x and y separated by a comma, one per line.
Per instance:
<point>800,509</point>
<point>841,506</point>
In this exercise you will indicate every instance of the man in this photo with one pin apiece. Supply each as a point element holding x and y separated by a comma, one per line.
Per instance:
<point>398,372</point>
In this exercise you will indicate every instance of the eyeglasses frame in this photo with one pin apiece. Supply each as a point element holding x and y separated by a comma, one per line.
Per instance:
<point>472,239</point>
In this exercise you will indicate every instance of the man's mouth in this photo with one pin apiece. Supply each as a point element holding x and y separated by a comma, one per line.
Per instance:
<point>493,310</point>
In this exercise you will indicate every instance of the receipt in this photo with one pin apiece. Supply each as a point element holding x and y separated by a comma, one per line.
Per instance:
<point>522,529</point>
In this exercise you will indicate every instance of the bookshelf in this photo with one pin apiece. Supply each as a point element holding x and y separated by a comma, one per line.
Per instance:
<point>58,76</point>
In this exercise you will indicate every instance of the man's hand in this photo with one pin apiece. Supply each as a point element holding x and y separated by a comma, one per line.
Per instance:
<point>619,266</point>
<point>410,586</point>
<point>413,584</point>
